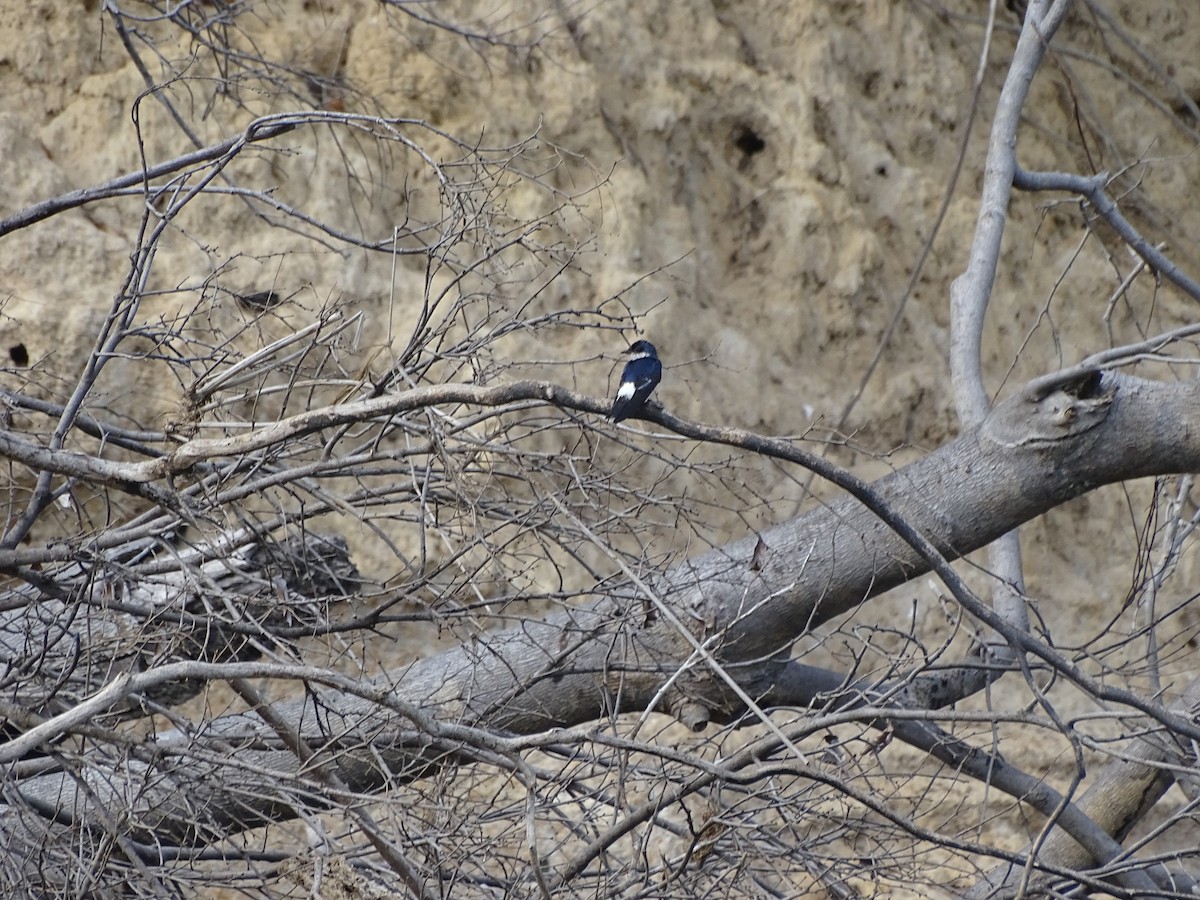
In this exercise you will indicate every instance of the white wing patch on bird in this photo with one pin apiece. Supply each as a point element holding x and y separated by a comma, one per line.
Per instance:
<point>638,380</point>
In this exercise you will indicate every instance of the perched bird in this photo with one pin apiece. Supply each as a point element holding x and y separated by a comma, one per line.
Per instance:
<point>640,378</point>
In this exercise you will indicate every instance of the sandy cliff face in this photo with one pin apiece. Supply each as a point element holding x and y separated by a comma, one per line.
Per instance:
<point>759,179</point>
<point>779,169</point>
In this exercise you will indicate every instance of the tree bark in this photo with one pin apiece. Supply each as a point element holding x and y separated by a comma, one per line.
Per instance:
<point>1035,451</point>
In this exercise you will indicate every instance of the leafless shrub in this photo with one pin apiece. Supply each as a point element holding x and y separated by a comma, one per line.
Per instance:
<point>199,685</point>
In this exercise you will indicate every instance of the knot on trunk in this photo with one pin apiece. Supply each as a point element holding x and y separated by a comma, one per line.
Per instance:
<point>1051,409</point>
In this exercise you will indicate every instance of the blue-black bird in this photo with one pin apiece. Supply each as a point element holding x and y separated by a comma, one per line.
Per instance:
<point>640,378</point>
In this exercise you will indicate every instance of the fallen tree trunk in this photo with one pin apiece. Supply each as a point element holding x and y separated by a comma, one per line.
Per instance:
<point>747,601</point>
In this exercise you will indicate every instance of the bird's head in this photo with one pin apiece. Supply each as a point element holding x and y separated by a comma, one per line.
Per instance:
<point>641,349</point>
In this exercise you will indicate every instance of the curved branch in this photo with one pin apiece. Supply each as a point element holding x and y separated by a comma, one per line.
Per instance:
<point>1091,188</point>
<point>971,291</point>
<point>258,130</point>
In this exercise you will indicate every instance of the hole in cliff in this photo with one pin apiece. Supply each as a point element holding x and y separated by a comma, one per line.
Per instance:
<point>747,140</point>
<point>19,355</point>
<point>870,86</point>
